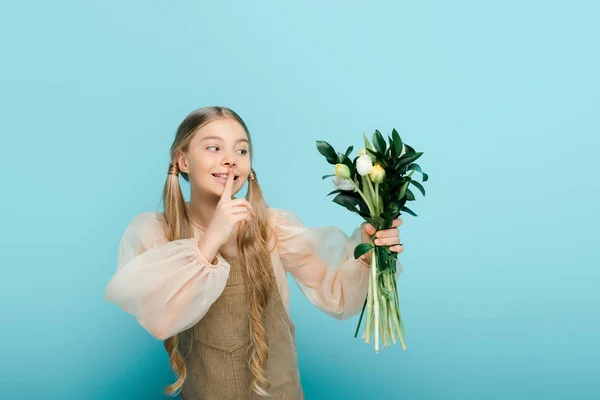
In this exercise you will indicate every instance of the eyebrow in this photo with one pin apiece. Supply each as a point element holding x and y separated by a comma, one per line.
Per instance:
<point>221,139</point>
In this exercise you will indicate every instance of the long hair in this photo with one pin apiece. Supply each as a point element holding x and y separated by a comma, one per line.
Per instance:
<point>252,241</point>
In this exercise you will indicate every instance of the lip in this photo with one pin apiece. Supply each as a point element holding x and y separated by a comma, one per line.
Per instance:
<point>222,182</point>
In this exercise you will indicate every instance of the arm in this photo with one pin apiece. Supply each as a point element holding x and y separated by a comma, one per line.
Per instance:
<point>322,262</point>
<point>168,286</point>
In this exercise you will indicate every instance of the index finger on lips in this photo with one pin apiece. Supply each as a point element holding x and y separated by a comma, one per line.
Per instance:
<point>228,185</point>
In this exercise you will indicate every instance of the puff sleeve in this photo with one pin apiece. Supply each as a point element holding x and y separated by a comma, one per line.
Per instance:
<point>321,261</point>
<point>168,286</point>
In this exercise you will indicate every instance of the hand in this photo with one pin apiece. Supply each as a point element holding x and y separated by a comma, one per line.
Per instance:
<point>389,237</point>
<point>229,214</point>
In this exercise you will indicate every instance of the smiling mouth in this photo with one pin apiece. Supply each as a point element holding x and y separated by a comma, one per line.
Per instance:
<point>223,180</point>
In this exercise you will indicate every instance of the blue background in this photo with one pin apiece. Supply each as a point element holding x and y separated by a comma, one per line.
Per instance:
<point>499,292</point>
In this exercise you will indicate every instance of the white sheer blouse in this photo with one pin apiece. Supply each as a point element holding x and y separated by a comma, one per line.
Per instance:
<point>169,286</point>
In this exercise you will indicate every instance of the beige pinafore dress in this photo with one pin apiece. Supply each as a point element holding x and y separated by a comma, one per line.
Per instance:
<point>216,353</point>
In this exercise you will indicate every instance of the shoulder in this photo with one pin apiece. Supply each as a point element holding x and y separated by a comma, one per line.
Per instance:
<point>147,224</point>
<point>146,219</point>
<point>281,217</point>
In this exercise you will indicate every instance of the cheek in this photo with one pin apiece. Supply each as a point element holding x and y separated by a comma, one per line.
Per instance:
<point>200,164</point>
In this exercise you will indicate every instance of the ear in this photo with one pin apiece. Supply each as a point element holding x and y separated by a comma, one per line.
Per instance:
<point>182,163</point>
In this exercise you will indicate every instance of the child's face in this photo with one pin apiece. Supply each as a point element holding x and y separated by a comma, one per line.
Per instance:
<point>213,148</point>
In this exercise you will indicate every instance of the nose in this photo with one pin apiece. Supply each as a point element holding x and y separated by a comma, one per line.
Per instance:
<point>228,159</point>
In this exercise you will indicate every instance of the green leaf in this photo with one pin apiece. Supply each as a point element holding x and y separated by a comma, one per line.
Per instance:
<point>381,259</point>
<point>419,186</point>
<point>397,142</point>
<point>407,159</point>
<point>392,148</point>
<point>375,154</point>
<point>327,150</point>
<point>380,222</point>
<point>409,195</point>
<point>367,144</point>
<point>347,200</point>
<point>327,176</point>
<point>361,249</point>
<point>416,167</point>
<point>373,222</point>
<point>409,150</point>
<point>349,151</point>
<point>403,190</point>
<point>388,220</point>
<point>379,142</point>
<point>409,211</point>
<point>365,215</point>
<point>395,181</point>
<point>335,191</point>
<point>392,208</point>
<point>347,162</point>
<point>378,157</point>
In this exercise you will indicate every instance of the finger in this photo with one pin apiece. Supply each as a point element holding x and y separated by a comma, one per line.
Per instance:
<point>397,222</point>
<point>397,248</point>
<point>241,211</point>
<point>387,241</point>
<point>368,228</point>
<point>226,195</point>
<point>241,222</point>
<point>387,233</point>
<point>242,218</point>
<point>243,203</point>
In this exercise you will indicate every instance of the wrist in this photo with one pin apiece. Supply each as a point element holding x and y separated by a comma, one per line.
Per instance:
<point>208,250</point>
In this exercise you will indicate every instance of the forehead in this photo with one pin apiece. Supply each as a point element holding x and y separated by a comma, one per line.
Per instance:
<point>225,129</point>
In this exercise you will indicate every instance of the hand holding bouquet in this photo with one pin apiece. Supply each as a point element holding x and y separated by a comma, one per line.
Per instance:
<point>375,185</point>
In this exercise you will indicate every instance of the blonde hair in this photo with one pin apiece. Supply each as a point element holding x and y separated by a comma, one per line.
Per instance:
<point>252,243</point>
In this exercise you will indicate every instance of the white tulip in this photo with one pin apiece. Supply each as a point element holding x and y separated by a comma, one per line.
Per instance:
<point>343,184</point>
<point>364,165</point>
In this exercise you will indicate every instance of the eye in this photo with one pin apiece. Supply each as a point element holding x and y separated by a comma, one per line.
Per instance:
<point>216,147</point>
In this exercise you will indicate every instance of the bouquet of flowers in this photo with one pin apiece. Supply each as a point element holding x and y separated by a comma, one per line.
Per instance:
<point>375,185</point>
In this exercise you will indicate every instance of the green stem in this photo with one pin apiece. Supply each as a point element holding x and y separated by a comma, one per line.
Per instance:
<point>377,199</point>
<point>363,197</point>
<point>391,314</point>
<point>384,320</point>
<point>361,316</point>
<point>375,298</point>
<point>367,190</point>
<point>397,318</point>
<point>369,311</point>
<point>374,195</point>
<point>391,323</point>
<point>397,305</point>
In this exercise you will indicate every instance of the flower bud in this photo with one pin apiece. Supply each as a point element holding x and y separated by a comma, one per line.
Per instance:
<point>361,152</point>
<point>377,174</point>
<point>342,171</point>
<point>364,165</point>
<point>343,184</point>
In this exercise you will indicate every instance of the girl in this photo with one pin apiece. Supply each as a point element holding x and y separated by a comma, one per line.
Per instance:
<point>208,276</point>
